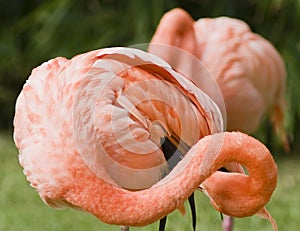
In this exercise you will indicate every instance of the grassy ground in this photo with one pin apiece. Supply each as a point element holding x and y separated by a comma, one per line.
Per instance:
<point>21,209</point>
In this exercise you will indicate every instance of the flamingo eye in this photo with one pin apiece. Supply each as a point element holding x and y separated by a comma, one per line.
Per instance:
<point>223,169</point>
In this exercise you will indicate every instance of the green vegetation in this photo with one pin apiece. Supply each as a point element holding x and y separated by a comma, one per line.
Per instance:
<point>22,209</point>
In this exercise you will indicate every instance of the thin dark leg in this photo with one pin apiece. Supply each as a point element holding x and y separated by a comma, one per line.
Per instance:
<point>162,223</point>
<point>124,228</point>
<point>269,136</point>
<point>193,210</point>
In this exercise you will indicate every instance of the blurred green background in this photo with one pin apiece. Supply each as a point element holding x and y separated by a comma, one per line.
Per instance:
<point>34,31</point>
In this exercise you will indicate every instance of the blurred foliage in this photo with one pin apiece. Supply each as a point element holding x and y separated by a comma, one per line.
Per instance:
<point>34,31</point>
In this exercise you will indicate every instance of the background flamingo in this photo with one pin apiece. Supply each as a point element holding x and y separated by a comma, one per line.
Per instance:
<point>247,68</point>
<point>90,130</point>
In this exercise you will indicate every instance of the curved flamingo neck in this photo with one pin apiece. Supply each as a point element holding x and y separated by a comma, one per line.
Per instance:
<point>237,194</point>
<point>118,206</point>
<point>175,31</point>
<point>173,25</point>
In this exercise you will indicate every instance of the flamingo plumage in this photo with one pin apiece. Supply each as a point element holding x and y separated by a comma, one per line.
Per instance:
<point>90,129</point>
<point>248,69</point>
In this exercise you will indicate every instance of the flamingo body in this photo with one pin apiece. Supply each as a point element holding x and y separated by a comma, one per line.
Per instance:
<point>248,69</point>
<point>101,107</point>
<point>89,129</point>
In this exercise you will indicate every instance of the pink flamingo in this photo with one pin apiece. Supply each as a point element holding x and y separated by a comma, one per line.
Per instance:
<point>248,69</point>
<point>91,133</point>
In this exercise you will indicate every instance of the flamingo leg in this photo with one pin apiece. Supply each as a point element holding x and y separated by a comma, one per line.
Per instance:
<point>193,210</point>
<point>227,223</point>
<point>162,223</point>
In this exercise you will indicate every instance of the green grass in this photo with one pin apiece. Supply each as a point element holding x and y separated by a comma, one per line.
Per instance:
<point>22,210</point>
